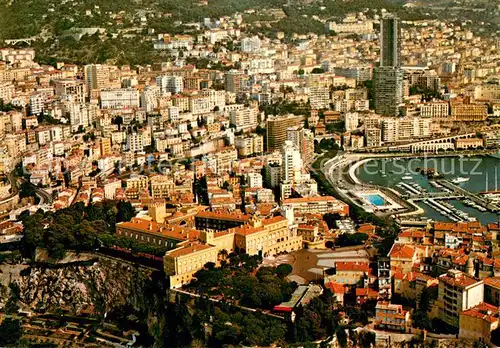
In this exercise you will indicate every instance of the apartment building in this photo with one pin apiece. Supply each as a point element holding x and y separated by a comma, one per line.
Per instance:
<point>492,291</point>
<point>120,98</point>
<point>7,91</point>
<point>439,110</point>
<point>319,97</point>
<point>403,257</point>
<point>244,118</point>
<point>358,27</point>
<point>96,76</point>
<point>250,144</point>
<point>161,186</point>
<point>457,292</point>
<point>277,130</point>
<point>316,205</point>
<point>478,322</point>
<point>400,129</point>
<point>391,317</point>
<point>75,88</point>
<point>170,84</point>
<point>468,112</point>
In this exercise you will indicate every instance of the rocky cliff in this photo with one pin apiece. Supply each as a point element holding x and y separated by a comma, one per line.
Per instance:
<point>101,286</point>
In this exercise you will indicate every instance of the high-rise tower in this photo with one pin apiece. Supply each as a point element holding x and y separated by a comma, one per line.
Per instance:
<point>388,77</point>
<point>390,33</point>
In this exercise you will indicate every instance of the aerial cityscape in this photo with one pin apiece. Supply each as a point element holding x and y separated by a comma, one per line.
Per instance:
<point>222,173</point>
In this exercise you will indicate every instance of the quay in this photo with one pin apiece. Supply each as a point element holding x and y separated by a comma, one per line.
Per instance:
<point>470,195</point>
<point>434,195</point>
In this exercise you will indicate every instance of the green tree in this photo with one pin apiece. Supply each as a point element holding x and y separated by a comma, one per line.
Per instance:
<point>283,270</point>
<point>125,211</point>
<point>366,338</point>
<point>10,332</point>
<point>348,239</point>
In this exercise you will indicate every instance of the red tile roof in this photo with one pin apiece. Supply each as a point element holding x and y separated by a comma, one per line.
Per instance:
<point>461,280</point>
<point>402,251</point>
<point>351,266</point>
<point>336,288</point>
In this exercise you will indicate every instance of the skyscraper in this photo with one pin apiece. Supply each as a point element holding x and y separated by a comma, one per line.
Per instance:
<point>388,85</point>
<point>390,33</point>
<point>291,163</point>
<point>96,76</point>
<point>277,130</point>
<point>388,77</point>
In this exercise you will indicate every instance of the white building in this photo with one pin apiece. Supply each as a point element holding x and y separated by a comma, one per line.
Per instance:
<point>135,142</point>
<point>457,292</point>
<point>291,165</point>
<point>254,180</point>
<point>149,97</point>
<point>120,98</point>
<point>250,44</point>
<point>244,118</point>
<point>172,84</point>
<point>37,101</point>
<point>351,121</point>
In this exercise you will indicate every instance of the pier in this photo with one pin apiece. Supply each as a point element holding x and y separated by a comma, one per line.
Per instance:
<point>470,195</point>
<point>434,195</point>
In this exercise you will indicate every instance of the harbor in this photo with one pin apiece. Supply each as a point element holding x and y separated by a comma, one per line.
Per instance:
<point>435,185</point>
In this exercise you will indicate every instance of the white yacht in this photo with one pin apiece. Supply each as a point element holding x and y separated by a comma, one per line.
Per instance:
<point>460,180</point>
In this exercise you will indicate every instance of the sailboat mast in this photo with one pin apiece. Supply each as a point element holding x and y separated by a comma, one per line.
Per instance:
<point>496,178</point>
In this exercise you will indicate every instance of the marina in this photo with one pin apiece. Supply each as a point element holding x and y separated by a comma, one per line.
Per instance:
<point>444,194</point>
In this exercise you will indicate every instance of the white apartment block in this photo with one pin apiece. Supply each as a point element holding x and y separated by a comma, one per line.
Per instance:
<point>216,98</point>
<point>244,118</point>
<point>437,110</point>
<point>149,97</point>
<point>172,84</point>
<point>199,105</point>
<point>487,92</point>
<point>135,142</point>
<point>7,91</point>
<point>457,292</point>
<point>273,174</point>
<point>248,145</point>
<point>14,56</point>
<point>291,164</point>
<point>364,27</point>
<point>351,120</point>
<point>37,101</point>
<point>398,129</point>
<point>96,76</point>
<point>120,98</point>
<point>250,44</point>
<point>173,114</point>
<point>319,97</point>
<point>254,180</point>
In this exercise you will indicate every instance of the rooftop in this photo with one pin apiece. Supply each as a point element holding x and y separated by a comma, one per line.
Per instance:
<point>459,279</point>
<point>188,249</point>
<point>352,266</point>
<point>402,251</point>
<point>165,230</point>
<point>224,216</point>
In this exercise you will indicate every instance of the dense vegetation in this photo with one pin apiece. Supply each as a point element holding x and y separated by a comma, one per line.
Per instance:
<point>79,227</point>
<point>54,22</point>
<point>238,281</point>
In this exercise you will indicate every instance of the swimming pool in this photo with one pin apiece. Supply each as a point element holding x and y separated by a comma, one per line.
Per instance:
<point>375,199</point>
